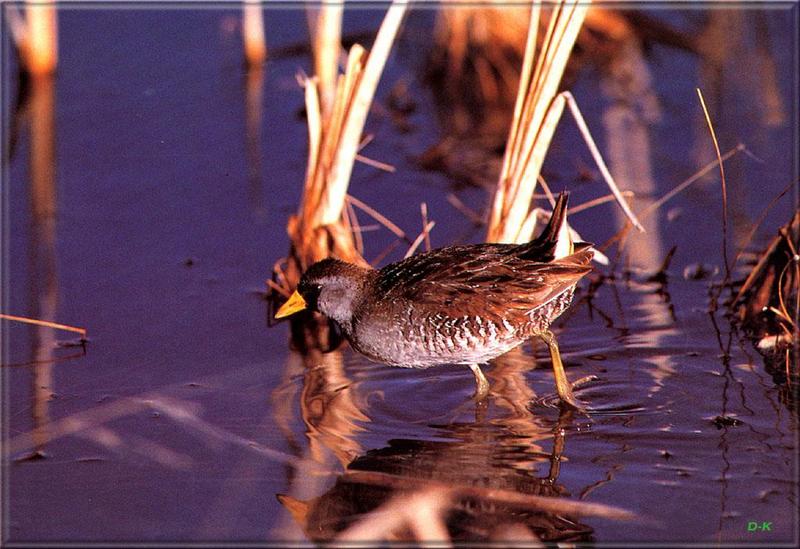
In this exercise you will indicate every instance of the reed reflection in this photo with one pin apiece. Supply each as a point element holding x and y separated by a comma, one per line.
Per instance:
<point>330,410</point>
<point>730,40</point>
<point>38,107</point>
<point>633,109</point>
<point>253,105</point>
<point>495,478</point>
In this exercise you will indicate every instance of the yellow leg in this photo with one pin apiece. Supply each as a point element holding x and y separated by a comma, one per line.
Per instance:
<point>482,385</point>
<point>562,383</point>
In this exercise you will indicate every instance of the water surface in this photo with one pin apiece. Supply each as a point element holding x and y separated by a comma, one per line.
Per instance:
<point>188,419</point>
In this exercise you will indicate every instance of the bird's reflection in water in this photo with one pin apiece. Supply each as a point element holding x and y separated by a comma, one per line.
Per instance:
<point>491,479</point>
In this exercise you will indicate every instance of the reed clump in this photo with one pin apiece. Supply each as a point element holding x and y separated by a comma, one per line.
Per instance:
<point>474,66</point>
<point>537,111</point>
<point>768,302</point>
<point>474,71</point>
<point>325,225</point>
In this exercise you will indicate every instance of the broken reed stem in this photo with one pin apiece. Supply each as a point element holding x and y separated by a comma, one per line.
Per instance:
<point>757,224</point>
<point>57,326</point>
<point>598,158</point>
<point>548,194</point>
<point>477,219</point>
<point>35,35</point>
<point>724,187</point>
<point>423,208</point>
<point>621,235</point>
<point>644,214</point>
<point>375,163</point>
<point>756,271</point>
<point>783,313</point>
<point>255,46</point>
<point>422,236</point>
<point>355,227</point>
<point>363,90</point>
<point>377,216</point>
<point>384,253</point>
<point>326,33</point>
<point>597,201</point>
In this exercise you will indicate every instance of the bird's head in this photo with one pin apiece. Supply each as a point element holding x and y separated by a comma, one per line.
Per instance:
<point>330,286</point>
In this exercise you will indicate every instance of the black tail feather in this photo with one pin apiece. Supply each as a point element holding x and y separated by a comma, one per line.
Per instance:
<point>543,247</point>
<point>550,233</point>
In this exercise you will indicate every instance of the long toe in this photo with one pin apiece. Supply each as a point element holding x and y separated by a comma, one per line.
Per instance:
<point>570,400</point>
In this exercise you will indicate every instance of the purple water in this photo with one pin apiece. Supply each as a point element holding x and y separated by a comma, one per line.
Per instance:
<point>186,416</point>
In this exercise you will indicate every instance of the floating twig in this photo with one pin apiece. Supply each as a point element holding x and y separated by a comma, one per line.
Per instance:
<point>48,324</point>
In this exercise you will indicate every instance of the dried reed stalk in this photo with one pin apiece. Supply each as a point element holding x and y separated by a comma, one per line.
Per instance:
<point>35,35</point>
<point>320,228</point>
<point>326,41</point>
<point>255,46</point>
<point>537,111</point>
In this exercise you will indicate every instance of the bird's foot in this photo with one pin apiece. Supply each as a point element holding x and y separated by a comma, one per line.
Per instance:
<point>568,399</point>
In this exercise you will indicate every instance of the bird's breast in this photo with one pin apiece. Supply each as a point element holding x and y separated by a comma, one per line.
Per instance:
<point>418,339</point>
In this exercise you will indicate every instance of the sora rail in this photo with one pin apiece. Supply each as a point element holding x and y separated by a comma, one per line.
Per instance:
<point>455,305</point>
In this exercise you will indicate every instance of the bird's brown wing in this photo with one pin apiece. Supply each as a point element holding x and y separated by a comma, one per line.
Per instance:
<point>490,280</point>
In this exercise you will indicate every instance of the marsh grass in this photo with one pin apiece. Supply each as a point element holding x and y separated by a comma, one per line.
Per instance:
<point>537,111</point>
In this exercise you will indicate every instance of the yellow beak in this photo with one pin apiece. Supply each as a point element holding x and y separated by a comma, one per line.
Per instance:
<point>295,304</point>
